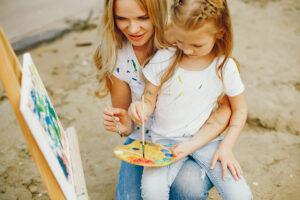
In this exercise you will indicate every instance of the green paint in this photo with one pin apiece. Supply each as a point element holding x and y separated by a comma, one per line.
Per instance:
<point>149,92</point>
<point>159,162</point>
<point>134,65</point>
<point>167,159</point>
<point>137,128</point>
<point>147,131</point>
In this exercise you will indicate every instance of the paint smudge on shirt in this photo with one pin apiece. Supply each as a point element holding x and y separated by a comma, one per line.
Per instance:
<point>180,80</point>
<point>179,95</point>
<point>118,69</point>
<point>134,65</point>
<point>200,86</point>
<point>128,71</point>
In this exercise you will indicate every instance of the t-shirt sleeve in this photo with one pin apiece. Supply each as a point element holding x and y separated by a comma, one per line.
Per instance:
<point>158,65</point>
<point>233,84</point>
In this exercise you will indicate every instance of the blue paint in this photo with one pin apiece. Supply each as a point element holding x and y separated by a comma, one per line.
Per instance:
<point>165,150</point>
<point>168,155</point>
<point>118,69</point>
<point>134,79</point>
<point>128,71</point>
<point>200,86</point>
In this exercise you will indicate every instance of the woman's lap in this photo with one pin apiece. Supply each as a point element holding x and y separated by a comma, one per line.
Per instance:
<point>190,183</point>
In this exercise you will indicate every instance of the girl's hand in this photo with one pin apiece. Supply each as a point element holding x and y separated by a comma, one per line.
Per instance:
<point>182,150</point>
<point>136,113</point>
<point>227,159</point>
<point>121,117</point>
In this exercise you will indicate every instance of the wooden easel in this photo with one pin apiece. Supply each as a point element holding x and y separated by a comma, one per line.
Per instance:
<point>11,75</point>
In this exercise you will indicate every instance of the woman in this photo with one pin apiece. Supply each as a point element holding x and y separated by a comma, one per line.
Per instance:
<point>131,33</point>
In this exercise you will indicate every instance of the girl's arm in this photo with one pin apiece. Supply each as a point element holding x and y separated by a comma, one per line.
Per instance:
<point>224,152</point>
<point>135,110</point>
<point>121,98</point>
<point>237,121</point>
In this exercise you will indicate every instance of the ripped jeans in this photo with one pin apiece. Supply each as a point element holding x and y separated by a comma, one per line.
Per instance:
<point>156,182</point>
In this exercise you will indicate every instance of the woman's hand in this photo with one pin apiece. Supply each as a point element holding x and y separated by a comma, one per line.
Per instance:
<point>227,159</point>
<point>121,117</point>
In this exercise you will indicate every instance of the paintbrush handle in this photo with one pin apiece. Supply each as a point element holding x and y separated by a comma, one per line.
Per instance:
<point>143,127</point>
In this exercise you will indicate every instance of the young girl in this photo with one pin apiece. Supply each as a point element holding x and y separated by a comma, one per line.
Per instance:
<point>189,81</point>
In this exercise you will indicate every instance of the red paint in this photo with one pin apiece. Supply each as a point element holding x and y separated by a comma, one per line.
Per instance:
<point>143,161</point>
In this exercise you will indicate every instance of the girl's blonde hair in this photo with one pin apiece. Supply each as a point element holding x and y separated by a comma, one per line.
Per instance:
<point>111,39</point>
<point>191,15</point>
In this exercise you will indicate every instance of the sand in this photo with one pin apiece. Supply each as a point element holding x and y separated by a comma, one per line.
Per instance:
<point>267,44</point>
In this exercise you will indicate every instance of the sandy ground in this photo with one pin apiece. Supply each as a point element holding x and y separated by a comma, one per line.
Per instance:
<point>267,44</point>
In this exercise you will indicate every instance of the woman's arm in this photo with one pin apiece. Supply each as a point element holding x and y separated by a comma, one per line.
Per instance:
<point>120,93</point>
<point>121,98</point>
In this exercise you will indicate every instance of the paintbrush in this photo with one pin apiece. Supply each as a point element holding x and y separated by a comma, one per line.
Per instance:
<point>117,126</point>
<point>143,127</point>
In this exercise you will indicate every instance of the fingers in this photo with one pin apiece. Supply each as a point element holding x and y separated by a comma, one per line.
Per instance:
<point>233,171</point>
<point>135,112</point>
<point>132,111</point>
<point>214,161</point>
<point>114,111</point>
<point>224,170</point>
<point>239,170</point>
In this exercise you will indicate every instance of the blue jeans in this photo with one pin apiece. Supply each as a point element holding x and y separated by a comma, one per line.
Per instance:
<point>156,182</point>
<point>130,176</point>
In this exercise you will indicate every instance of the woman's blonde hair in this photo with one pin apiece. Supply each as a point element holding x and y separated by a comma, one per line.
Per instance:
<point>191,15</point>
<point>111,39</point>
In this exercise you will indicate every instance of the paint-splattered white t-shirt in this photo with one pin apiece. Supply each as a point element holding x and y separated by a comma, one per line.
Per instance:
<point>129,70</point>
<point>187,99</point>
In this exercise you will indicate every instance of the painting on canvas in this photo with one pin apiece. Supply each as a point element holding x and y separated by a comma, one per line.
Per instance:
<point>45,126</point>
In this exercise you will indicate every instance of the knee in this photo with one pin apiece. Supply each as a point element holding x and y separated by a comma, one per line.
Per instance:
<point>153,190</point>
<point>239,194</point>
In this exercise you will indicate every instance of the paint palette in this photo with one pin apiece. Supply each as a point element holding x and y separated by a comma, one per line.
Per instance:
<point>156,155</point>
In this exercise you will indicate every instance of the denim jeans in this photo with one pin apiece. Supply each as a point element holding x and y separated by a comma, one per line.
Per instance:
<point>156,182</point>
<point>189,184</point>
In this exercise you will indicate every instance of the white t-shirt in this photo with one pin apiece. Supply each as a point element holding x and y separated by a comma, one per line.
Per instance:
<point>129,70</point>
<point>187,99</point>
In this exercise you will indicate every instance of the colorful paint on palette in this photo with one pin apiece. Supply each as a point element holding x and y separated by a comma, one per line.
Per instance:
<point>156,155</point>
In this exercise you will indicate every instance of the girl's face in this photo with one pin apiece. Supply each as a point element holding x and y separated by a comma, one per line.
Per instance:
<point>133,22</point>
<point>196,43</point>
